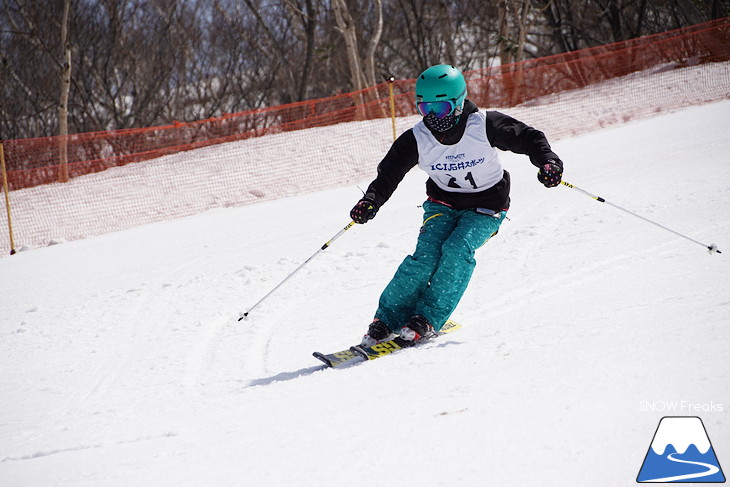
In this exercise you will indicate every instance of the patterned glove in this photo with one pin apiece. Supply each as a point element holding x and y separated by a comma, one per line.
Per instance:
<point>550,173</point>
<point>364,210</point>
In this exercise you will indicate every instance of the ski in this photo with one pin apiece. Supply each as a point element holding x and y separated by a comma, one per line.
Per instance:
<point>357,353</point>
<point>338,359</point>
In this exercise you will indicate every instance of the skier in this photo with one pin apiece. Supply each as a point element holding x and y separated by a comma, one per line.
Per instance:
<point>468,198</point>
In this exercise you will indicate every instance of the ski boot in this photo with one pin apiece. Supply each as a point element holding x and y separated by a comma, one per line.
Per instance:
<point>377,332</point>
<point>416,328</point>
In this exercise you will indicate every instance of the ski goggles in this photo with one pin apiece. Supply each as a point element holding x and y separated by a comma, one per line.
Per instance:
<point>440,109</point>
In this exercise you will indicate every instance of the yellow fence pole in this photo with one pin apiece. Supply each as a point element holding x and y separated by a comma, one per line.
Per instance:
<point>392,105</point>
<point>7,198</point>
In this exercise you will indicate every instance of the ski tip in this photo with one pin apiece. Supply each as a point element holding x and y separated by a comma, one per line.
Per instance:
<point>321,356</point>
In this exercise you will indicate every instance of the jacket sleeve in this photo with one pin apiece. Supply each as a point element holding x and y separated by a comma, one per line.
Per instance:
<point>507,133</point>
<point>401,158</point>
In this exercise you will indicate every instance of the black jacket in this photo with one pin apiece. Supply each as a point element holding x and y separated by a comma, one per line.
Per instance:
<point>503,132</point>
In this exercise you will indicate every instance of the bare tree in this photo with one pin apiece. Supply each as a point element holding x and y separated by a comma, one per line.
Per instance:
<point>348,28</point>
<point>150,62</point>
<point>65,87</point>
<point>29,100</point>
<point>372,45</point>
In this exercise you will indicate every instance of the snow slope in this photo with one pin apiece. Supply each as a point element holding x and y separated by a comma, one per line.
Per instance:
<point>122,361</point>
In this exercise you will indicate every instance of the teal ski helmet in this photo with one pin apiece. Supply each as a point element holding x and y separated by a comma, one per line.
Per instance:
<point>441,90</point>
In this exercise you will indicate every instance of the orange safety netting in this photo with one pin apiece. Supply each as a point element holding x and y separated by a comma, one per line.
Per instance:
<point>268,154</point>
<point>38,161</point>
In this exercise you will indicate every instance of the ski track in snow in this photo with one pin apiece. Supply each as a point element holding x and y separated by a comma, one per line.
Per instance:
<point>122,360</point>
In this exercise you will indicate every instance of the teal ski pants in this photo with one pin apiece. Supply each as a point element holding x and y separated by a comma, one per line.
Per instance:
<point>432,280</point>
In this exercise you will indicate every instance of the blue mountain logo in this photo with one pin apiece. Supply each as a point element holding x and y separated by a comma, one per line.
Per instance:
<point>681,452</point>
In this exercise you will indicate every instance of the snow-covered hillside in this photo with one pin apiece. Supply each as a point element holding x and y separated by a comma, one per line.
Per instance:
<point>122,361</point>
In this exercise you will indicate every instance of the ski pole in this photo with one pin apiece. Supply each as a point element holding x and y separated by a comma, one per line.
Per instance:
<point>324,247</point>
<point>712,248</point>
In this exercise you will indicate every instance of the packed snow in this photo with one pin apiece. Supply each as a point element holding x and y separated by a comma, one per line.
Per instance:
<point>122,360</point>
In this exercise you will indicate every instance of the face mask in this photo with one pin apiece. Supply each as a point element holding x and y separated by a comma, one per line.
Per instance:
<point>440,124</point>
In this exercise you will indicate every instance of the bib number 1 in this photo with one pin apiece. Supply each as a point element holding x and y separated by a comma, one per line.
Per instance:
<point>469,177</point>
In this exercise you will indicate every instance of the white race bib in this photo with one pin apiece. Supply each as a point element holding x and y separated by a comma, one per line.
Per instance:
<point>470,166</point>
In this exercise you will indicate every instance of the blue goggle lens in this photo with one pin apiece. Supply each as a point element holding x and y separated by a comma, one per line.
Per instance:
<point>438,108</point>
